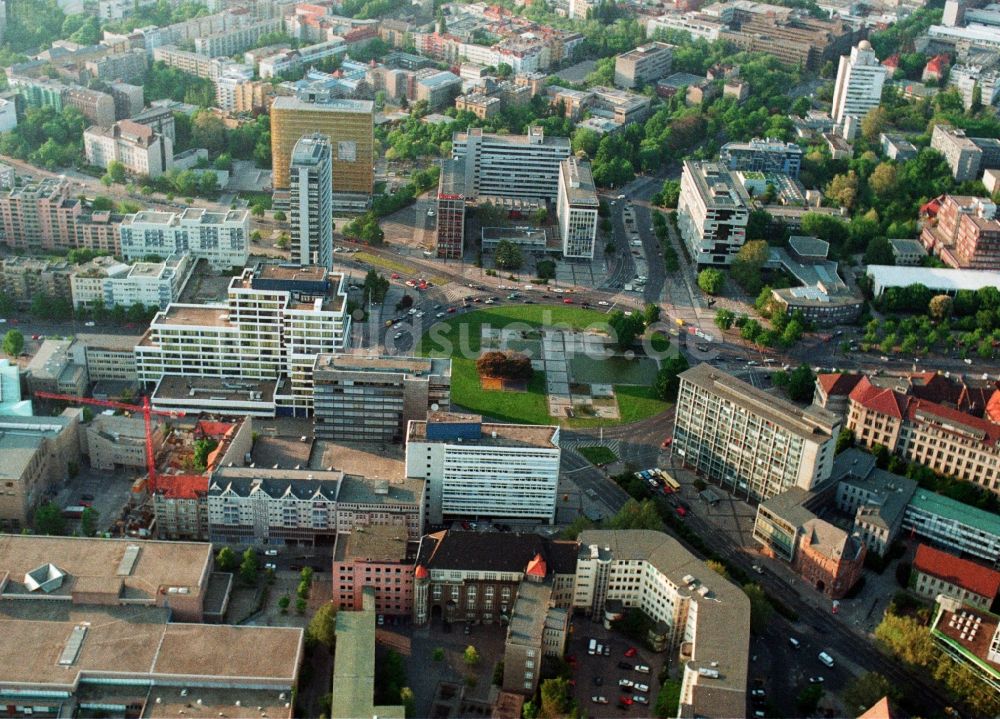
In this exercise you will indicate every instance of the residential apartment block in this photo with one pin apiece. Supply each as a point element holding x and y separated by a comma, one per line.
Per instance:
<point>712,212</point>
<point>117,626</point>
<point>511,165</point>
<point>222,238</point>
<point>644,64</point>
<point>24,278</point>
<point>370,398</point>
<point>577,209</point>
<point>235,40</point>
<point>936,572</point>
<point>141,150</point>
<point>37,452</point>
<point>437,87</point>
<point>348,124</point>
<point>113,284</point>
<point>275,321</point>
<point>748,440</point>
<point>451,196</point>
<point>311,201</point>
<point>768,155</point>
<point>967,156</point>
<point>475,469</point>
<point>43,215</point>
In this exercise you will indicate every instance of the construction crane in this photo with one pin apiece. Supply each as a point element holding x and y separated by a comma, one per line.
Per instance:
<point>147,416</point>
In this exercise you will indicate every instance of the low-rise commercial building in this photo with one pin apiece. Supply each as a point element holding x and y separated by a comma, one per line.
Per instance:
<point>222,238</point>
<point>475,469</point>
<point>940,280</point>
<point>437,87</point>
<point>936,572</point>
<point>113,441</point>
<point>712,212</point>
<point>907,253</point>
<point>116,626</point>
<point>58,366</point>
<point>822,297</point>
<point>141,150</point>
<point>748,440</point>
<point>970,637</point>
<point>360,397</point>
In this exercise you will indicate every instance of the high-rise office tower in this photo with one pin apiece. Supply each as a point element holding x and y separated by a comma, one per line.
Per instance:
<point>311,201</point>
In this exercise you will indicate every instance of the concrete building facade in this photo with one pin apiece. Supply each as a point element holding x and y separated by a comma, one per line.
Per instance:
<point>858,88</point>
<point>222,238</point>
<point>712,212</point>
<point>141,150</point>
<point>577,209</point>
<point>511,165</point>
<point>311,201</point>
<point>644,64</point>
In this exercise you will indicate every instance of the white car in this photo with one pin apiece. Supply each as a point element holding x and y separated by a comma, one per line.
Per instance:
<point>430,213</point>
<point>89,323</point>
<point>640,699</point>
<point>642,687</point>
<point>558,290</point>
<point>599,700</point>
<point>397,335</point>
<point>626,683</point>
<point>603,303</point>
<point>413,310</point>
<point>439,315</point>
<point>270,566</point>
<point>419,315</point>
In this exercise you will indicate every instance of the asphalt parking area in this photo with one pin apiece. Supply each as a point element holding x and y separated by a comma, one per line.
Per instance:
<point>600,675</point>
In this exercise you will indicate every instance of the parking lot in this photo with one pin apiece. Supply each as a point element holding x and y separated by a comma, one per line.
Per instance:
<point>106,492</point>
<point>599,676</point>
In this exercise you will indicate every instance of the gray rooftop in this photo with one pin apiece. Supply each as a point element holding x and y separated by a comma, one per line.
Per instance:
<point>813,423</point>
<point>309,150</point>
<point>717,185</point>
<point>293,102</point>
<point>580,189</point>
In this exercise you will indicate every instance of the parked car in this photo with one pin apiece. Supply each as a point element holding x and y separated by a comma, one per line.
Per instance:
<point>625,665</point>
<point>599,700</point>
<point>642,687</point>
<point>630,652</point>
<point>816,680</point>
<point>626,683</point>
<point>642,668</point>
<point>640,699</point>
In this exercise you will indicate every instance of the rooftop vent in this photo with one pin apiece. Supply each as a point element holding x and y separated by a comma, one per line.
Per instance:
<point>47,577</point>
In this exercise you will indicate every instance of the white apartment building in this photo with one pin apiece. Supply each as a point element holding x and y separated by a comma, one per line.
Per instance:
<point>275,321</point>
<point>229,84</point>
<point>712,212</point>
<point>694,24</point>
<point>577,208</point>
<point>524,166</point>
<point>479,470</point>
<point>751,442</point>
<point>704,617</point>
<point>291,60</point>
<point>858,89</point>
<point>222,238</point>
<point>141,150</point>
<point>311,201</point>
<point>152,284</point>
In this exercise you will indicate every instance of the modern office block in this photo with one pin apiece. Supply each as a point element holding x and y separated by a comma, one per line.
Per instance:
<point>767,155</point>
<point>712,212</point>
<point>451,197</point>
<point>511,165</point>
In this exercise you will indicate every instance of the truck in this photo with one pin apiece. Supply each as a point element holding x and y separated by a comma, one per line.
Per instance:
<point>592,647</point>
<point>74,512</point>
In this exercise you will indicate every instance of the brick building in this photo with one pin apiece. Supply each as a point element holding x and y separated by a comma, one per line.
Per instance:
<point>380,558</point>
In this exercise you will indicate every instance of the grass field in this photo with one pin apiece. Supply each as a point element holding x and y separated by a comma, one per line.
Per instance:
<point>459,338</point>
<point>597,455</point>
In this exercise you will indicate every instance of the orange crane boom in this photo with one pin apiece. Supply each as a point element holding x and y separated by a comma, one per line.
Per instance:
<point>147,416</point>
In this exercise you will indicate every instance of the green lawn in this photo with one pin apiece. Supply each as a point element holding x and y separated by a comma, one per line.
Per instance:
<point>459,338</point>
<point>597,455</point>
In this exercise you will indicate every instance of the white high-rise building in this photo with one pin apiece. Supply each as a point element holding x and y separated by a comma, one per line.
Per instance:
<point>577,209</point>
<point>522,166</point>
<point>479,470</point>
<point>311,203</point>
<point>858,89</point>
<point>275,321</point>
<point>222,238</point>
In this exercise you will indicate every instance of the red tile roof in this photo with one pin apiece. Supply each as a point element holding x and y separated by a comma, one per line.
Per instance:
<point>877,399</point>
<point>421,572</point>
<point>536,567</point>
<point>182,486</point>
<point>990,431</point>
<point>962,573</point>
<point>880,710</point>
<point>891,62</point>
<point>838,383</point>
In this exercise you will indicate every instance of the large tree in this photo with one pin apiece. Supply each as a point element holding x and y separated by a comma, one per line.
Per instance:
<point>625,328</point>
<point>668,377</point>
<point>322,627</point>
<point>508,256</point>
<point>748,263</point>
<point>504,365</point>
<point>13,343</point>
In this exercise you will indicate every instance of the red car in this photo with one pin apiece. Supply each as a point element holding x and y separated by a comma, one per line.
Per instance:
<point>630,652</point>
<point>451,310</point>
<point>567,301</point>
<point>626,700</point>
<point>667,442</point>
<point>394,275</point>
<point>681,512</point>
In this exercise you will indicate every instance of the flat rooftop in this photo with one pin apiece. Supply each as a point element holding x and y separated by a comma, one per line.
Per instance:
<point>579,183</point>
<point>374,544</point>
<point>214,315</point>
<point>192,389</point>
<point>354,668</point>
<point>370,460</point>
<point>935,278</point>
<point>813,423</point>
<point>294,273</point>
<point>138,643</point>
<point>293,103</point>
<point>359,489</point>
<point>141,567</point>
<point>360,362</point>
<point>494,435</point>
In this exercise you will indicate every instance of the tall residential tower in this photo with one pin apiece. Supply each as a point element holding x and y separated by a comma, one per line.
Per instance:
<point>311,201</point>
<point>858,89</point>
